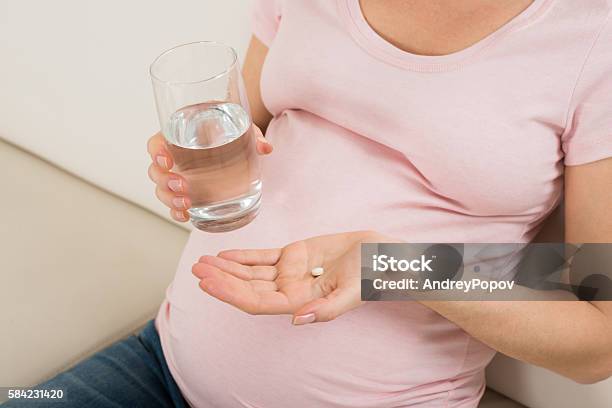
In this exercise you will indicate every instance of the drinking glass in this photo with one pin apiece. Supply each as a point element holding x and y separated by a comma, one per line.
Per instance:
<point>204,117</point>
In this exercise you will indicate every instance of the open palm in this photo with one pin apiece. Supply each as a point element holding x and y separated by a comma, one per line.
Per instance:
<point>279,281</point>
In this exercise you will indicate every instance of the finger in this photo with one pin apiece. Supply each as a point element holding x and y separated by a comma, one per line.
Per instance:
<point>263,272</point>
<point>156,143</point>
<point>157,148</point>
<point>153,173</point>
<point>167,180</point>
<point>163,160</point>
<point>234,268</point>
<point>241,271</point>
<point>263,146</point>
<point>180,216</point>
<point>263,286</point>
<point>252,256</point>
<point>156,173</point>
<point>329,307</point>
<point>239,293</point>
<point>170,199</point>
<point>260,276</point>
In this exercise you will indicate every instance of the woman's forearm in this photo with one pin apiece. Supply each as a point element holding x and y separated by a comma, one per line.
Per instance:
<point>572,338</point>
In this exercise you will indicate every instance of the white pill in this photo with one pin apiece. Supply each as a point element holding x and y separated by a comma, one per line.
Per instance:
<point>318,271</point>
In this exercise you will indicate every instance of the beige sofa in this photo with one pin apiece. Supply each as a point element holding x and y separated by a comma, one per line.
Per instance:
<point>81,268</point>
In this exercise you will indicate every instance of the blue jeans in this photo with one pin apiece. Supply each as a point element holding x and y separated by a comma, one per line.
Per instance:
<point>130,373</point>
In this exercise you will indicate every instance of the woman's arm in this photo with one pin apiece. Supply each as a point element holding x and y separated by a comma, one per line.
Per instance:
<point>251,71</point>
<point>571,338</point>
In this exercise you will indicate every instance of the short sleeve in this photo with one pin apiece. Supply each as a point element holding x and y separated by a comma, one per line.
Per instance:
<point>266,16</point>
<point>588,136</point>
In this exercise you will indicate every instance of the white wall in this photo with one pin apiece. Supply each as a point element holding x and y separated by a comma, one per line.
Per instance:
<point>74,82</point>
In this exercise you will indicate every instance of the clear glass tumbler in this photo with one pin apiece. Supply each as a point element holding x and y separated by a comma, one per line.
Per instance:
<point>204,116</point>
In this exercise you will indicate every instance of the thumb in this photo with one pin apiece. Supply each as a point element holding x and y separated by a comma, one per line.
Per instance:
<point>327,308</point>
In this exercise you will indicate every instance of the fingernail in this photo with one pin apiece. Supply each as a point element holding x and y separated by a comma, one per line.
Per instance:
<point>162,161</point>
<point>304,319</point>
<point>175,185</point>
<point>262,139</point>
<point>181,215</point>
<point>179,203</point>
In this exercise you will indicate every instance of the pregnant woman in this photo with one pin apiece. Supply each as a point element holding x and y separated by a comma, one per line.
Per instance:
<point>423,121</point>
<point>405,120</point>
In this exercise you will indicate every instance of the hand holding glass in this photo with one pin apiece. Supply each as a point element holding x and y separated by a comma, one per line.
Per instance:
<point>204,117</point>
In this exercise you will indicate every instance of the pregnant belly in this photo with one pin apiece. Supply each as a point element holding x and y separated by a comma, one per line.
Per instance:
<point>380,355</point>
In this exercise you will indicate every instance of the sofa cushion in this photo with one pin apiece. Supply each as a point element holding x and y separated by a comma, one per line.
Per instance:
<point>540,388</point>
<point>80,267</point>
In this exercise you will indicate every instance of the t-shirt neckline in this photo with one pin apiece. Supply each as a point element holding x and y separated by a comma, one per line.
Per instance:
<point>373,43</point>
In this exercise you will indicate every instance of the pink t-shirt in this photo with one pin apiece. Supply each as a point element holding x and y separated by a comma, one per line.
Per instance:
<point>468,147</point>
